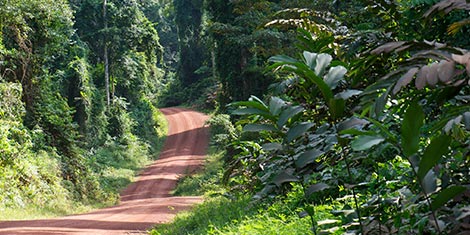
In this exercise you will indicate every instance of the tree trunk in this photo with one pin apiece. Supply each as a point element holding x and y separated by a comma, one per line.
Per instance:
<point>106,60</point>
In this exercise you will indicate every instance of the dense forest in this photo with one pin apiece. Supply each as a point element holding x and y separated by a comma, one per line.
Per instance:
<point>79,86</point>
<point>330,117</point>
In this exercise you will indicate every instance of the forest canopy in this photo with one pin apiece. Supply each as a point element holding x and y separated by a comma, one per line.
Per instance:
<point>341,116</point>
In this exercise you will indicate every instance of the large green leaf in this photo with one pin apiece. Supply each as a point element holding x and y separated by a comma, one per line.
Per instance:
<point>284,177</point>
<point>251,104</point>
<point>438,147</point>
<point>353,131</point>
<point>250,111</point>
<point>287,114</point>
<point>337,108</point>
<point>298,130</point>
<point>302,69</point>
<point>350,123</point>
<point>322,85</point>
<point>446,195</point>
<point>379,104</point>
<point>308,157</point>
<point>310,59</point>
<point>334,76</point>
<point>272,146</point>
<point>365,142</point>
<point>275,105</point>
<point>322,62</point>
<point>412,122</point>
<point>316,188</point>
<point>259,127</point>
<point>282,59</point>
<point>256,99</point>
<point>429,182</point>
<point>347,94</point>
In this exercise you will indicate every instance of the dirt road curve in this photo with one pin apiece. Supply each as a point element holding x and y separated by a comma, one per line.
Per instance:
<point>147,201</point>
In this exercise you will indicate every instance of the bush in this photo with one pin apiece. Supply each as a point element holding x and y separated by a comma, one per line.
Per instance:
<point>221,129</point>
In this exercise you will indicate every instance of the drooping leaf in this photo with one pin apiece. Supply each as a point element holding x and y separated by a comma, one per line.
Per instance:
<point>380,103</point>
<point>272,146</point>
<point>256,99</point>
<point>463,60</point>
<point>337,108</point>
<point>447,6</point>
<point>405,80</point>
<point>257,104</point>
<point>446,70</point>
<point>429,182</point>
<point>350,123</point>
<point>298,130</point>
<point>412,122</point>
<point>303,70</point>
<point>446,195</point>
<point>282,59</point>
<point>432,76</point>
<point>334,76</point>
<point>466,120</point>
<point>308,157</point>
<point>356,132</point>
<point>365,142</point>
<point>451,123</point>
<point>347,94</point>
<point>284,177</point>
<point>275,105</point>
<point>287,114</point>
<point>420,81</point>
<point>438,147</point>
<point>322,85</point>
<point>259,127</point>
<point>388,47</point>
<point>316,188</point>
<point>250,111</point>
<point>310,59</point>
<point>323,61</point>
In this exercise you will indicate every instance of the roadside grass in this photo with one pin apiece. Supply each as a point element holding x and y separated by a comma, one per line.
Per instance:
<point>240,214</point>
<point>115,165</point>
<point>205,182</point>
<point>224,212</point>
<point>30,212</point>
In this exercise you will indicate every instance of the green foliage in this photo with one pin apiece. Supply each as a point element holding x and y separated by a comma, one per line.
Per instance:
<point>387,157</point>
<point>31,177</point>
<point>207,181</point>
<point>62,146</point>
<point>222,130</point>
<point>221,215</point>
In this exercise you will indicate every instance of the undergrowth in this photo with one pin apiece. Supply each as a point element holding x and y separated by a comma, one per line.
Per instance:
<point>33,177</point>
<point>226,211</point>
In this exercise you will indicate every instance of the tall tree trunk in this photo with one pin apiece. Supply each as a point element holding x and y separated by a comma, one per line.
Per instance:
<point>213,59</point>
<point>106,60</point>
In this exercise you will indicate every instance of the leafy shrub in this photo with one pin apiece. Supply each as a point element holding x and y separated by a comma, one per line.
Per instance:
<point>221,129</point>
<point>31,176</point>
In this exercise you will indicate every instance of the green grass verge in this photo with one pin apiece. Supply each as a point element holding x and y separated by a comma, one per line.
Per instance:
<point>115,166</point>
<point>205,182</point>
<point>241,215</point>
<point>226,213</point>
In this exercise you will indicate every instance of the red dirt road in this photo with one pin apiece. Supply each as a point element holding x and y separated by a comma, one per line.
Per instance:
<point>147,201</point>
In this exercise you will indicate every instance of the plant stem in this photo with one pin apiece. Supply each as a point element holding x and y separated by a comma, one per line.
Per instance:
<point>312,220</point>
<point>428,201</point>
<point>355,196</point>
